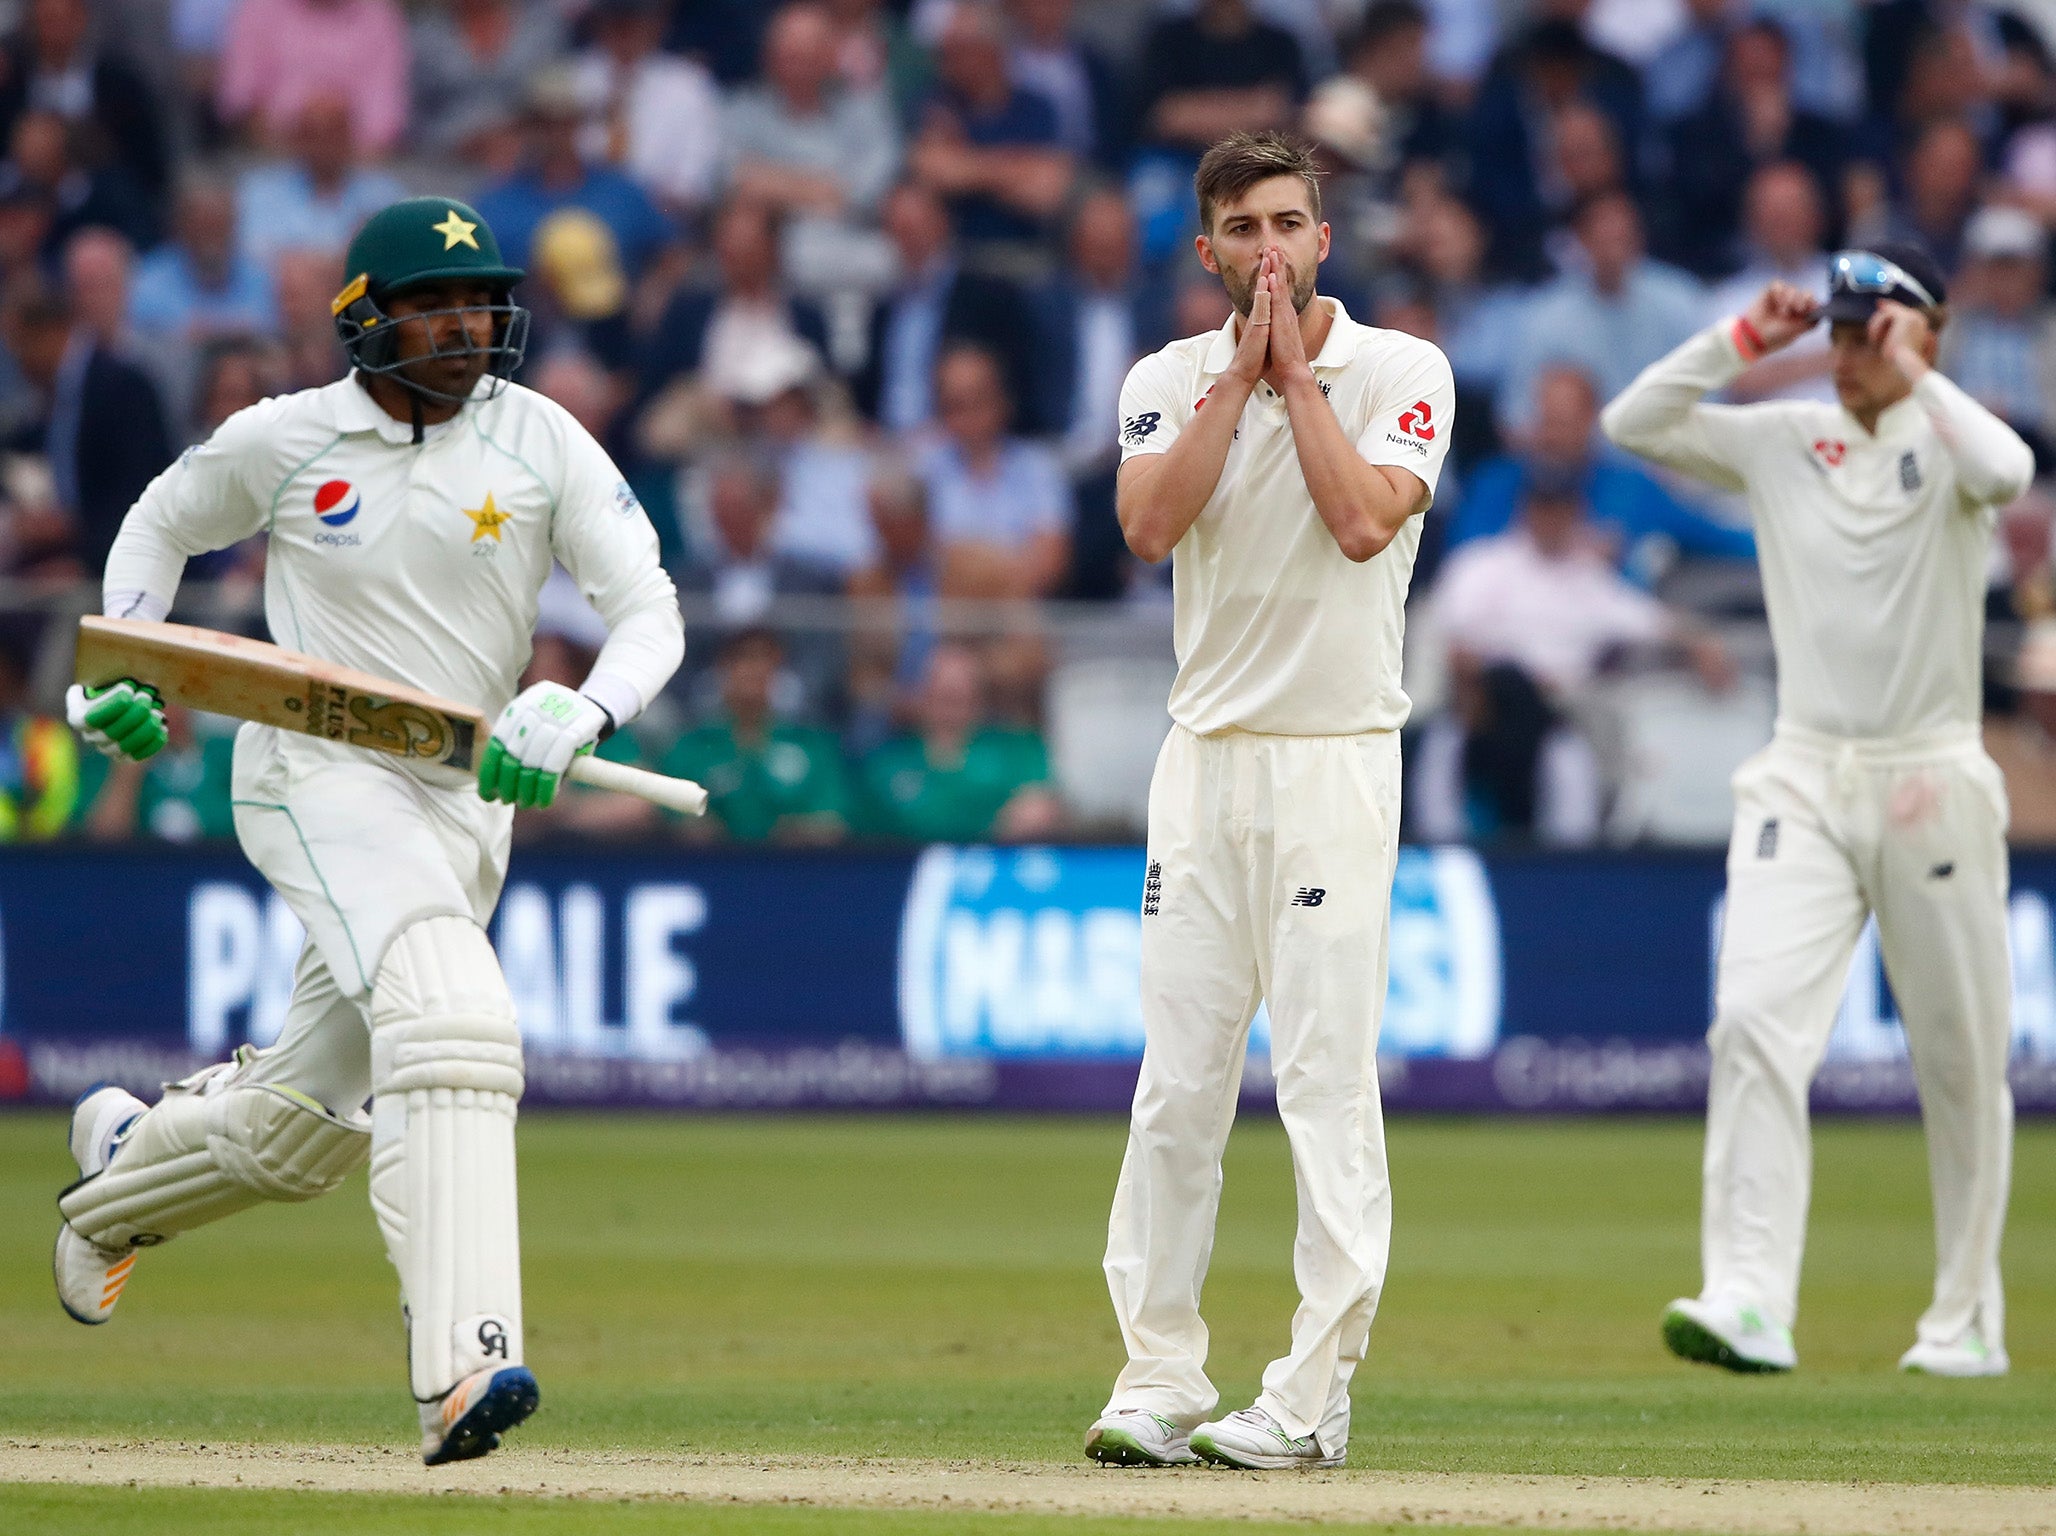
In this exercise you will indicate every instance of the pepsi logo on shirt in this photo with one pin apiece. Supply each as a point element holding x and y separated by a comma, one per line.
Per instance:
<point>336,502</point>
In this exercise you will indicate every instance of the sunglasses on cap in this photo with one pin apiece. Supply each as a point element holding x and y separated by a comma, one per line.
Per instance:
<point>1866,272</point>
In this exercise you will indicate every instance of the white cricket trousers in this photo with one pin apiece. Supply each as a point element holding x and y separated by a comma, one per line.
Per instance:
<point>1270,878</point>
<point>1828,832</point>
<point>361,850</point>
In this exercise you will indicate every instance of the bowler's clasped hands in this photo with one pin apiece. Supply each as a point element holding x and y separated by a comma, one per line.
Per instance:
<point>1272,348</point>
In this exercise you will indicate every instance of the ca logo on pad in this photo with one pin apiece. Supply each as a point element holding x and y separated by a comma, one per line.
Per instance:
<point>336,502</point>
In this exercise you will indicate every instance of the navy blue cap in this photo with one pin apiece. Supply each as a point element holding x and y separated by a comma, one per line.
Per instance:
<point>1855,287</point>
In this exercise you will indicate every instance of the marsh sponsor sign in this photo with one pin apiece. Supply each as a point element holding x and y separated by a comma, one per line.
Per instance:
<point>952,978</point>
<point>1032,953</point>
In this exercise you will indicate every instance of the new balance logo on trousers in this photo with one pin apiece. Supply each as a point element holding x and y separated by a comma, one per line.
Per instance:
<point>1153,892</point>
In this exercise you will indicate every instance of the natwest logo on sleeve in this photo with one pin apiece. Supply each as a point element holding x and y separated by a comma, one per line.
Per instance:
<point>1416,426</point>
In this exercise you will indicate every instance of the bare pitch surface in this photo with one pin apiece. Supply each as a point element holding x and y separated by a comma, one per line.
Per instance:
<point>758,1299</point>
<point>95,1511</point>
<point>906,1490</point>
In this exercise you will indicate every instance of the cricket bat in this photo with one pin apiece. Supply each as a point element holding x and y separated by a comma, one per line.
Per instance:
<point>250,680</point>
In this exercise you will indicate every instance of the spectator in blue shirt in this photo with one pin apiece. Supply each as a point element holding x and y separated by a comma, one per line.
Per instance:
<point>993,151</point>
<point>554,175</point>
<point>1643,521</point>
<point>198,284</point>
<point>1049,55</point>
<point>315,200</point>
<point>938,299</point>
<point>1476,317</point>
<point>1681,78</point>
<point>1613,315</point>
<point>2000,345</point>
<point>1000,506</point>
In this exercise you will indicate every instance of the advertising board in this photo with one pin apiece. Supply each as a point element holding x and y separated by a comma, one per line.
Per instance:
<point>949,977</point>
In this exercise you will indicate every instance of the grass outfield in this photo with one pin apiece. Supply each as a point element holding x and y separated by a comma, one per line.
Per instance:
<point>930,1288</point>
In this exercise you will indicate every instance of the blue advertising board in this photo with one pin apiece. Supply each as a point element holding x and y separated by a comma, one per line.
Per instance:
<point>948,977</point>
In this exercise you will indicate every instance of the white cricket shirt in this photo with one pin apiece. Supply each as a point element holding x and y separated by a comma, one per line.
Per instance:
<point>1277,630</point>
<point>421,563</point>
<point>1873,548</point>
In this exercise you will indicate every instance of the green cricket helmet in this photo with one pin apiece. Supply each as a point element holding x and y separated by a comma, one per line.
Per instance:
<point>407,246</point>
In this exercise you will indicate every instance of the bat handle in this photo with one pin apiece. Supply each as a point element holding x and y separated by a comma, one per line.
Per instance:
<point>681,795</point>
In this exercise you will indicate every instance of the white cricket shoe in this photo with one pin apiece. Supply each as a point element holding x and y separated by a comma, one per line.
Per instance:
<point>1967,1356</point>
<point>1736,1336</point>
<point>467,1420</point>
<point>1252,1440</point>
<point>1135,1437</point>
<point>89,1277</point>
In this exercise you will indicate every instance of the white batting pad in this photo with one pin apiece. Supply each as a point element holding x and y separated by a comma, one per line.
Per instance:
<point>211,1147</point>
<point>446,1076</point>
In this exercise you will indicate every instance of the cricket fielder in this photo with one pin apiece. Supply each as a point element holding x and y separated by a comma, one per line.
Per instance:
<point>412,513</point>
<point>1875,798</point>
<point>1282,463</point>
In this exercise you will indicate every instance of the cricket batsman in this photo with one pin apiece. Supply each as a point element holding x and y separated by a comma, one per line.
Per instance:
<point>1875,798</point>
<point>412,512</point>
<point>1282,463</point>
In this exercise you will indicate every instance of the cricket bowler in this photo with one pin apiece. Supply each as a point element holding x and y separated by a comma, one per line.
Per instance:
<point>412,513</point>
<point>1282,463</point>
<point>1875,798</point>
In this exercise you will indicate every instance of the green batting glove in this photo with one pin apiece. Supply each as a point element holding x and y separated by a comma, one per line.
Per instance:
<point>501,777</point>
<point>534,743</point>
<point>124,718</point>
<point>499,771</point>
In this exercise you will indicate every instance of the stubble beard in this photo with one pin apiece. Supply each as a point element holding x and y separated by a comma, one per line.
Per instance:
<point>1242,289</point>
<point>455,388</point>
<point>450,373</point>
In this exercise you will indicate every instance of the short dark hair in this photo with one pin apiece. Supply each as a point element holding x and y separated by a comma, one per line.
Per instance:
<point>1385,19</point>
<point>1767,26</point>
<point>1554,41</point>
<point>32,301</point>
<point>750,637</point>
<point>1242,160</point>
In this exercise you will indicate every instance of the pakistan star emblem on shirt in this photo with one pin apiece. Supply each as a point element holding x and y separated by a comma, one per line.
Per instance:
<point>487,519</point>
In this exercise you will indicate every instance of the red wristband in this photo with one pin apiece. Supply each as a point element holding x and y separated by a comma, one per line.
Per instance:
<point>1748,340</point>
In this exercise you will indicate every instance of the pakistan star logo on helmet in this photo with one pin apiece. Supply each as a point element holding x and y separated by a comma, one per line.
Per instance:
<point>414,243</point>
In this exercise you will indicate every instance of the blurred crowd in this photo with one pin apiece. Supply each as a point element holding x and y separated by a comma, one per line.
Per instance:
<point>849,288</point>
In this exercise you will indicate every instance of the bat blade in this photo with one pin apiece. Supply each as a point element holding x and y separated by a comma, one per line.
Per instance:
<point>251,680</point>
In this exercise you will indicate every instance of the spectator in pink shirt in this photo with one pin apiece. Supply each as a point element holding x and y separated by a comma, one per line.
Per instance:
<point>282,52</point>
